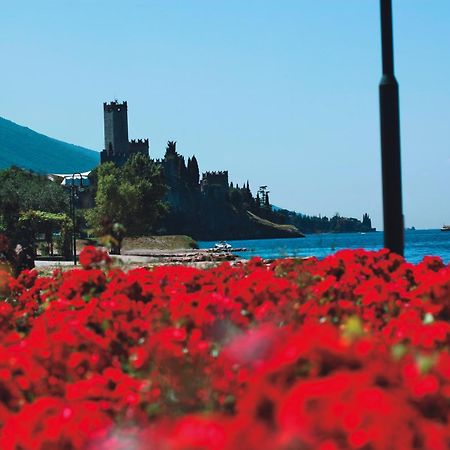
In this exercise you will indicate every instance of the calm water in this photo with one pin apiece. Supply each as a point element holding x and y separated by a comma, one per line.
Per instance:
<point>418,244</point>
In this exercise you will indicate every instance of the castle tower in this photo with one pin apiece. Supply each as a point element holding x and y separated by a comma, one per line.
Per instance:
<point>116,127</point>
<point>117,147</point>
<point>214,185</point>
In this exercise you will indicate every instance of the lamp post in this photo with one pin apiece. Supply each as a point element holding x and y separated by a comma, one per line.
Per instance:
<point>390,139</point>
<point>73,214</point>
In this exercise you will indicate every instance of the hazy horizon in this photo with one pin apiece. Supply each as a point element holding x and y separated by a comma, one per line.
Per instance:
<point>283,94</point>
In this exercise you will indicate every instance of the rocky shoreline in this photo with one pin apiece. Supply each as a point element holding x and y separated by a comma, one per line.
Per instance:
<point>131,259</point>
<point>180,256</point>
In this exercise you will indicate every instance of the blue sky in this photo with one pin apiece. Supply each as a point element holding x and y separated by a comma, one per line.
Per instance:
<point>282,93</point>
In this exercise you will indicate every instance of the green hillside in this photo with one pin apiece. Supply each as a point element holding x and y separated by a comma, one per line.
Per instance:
<point>22,147</point>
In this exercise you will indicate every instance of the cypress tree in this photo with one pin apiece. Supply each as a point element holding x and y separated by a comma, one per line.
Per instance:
<point>193,172</point>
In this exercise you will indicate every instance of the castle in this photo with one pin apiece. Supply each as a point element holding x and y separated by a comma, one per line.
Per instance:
<point>117,146</point>
<point>118,149</point>
<point>210,207</point>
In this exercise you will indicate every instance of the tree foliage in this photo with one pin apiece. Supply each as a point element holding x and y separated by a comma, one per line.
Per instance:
<point>22,191</point>
<point>171,149</point>
<point>193,172</point>
<point>131,195</point>
<point>35,222</point>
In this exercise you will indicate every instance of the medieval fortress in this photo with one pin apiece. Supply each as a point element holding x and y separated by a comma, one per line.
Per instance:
<point>118,148</point>
<point>211,207</point>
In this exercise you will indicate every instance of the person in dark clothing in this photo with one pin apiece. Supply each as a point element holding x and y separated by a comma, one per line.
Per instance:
<point>24,258</point>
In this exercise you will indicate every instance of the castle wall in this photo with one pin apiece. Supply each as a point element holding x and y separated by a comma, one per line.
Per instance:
<point>139,146</point>
<point>219,178</point>
<point>119,159</point>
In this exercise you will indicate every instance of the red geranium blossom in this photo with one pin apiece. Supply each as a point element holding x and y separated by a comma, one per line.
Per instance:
<point>350,352</point>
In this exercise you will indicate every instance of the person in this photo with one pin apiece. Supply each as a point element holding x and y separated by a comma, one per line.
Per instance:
<point>24,258</point>
<point>118,233</point>
<point>7,256</point>
<point>13,261</point>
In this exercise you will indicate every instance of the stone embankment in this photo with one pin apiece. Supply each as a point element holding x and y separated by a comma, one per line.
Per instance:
<point>178,256</point>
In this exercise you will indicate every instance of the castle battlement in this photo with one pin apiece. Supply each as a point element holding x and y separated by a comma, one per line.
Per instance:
<point>139,146</point>
<point>114,106</point>
<point>215,181</point>
<point>215,173</point>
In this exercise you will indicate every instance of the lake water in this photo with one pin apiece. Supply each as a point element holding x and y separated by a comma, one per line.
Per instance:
<point>418,243</point>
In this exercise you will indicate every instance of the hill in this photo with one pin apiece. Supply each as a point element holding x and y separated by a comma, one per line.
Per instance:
<point>268,229</point>
<point>22,147</point>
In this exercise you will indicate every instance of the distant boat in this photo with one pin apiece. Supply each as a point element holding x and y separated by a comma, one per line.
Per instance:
<point>445,228</point>
<point>222,246</point>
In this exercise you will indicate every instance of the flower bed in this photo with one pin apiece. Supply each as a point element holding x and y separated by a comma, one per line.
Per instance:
<point>351,352</point>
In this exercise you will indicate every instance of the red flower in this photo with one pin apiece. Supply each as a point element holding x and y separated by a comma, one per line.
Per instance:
<point>91,257</point>
<point>351,352</point>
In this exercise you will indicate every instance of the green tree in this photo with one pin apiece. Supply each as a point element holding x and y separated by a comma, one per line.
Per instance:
<point>193,172</point>
<point>131,195</point>
<point>22,191</point>
<point>236,198</point>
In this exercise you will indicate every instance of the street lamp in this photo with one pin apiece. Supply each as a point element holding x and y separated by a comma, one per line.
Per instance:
<point>390,139</point>
<point>72,210</point>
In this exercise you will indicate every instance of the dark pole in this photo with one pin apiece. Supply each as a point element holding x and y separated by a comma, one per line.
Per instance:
<point>73,222</point>
<point>71,209</point>
<point>390,139</point>
<point>73,215</point>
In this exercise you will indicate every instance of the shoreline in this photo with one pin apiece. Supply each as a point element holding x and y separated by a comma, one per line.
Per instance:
<point>131,259</point>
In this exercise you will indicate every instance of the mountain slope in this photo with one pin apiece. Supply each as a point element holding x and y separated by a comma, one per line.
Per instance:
<point>22,147</point>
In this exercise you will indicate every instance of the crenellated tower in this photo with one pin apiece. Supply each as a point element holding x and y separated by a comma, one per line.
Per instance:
<point>215,184</point>
<point>117,146</point>
<point>115,116</point>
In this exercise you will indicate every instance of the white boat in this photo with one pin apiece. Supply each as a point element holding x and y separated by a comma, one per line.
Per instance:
<point>445,228</point>
<point>222,246</point>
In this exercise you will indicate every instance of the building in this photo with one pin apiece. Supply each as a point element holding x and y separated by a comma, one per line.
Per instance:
<point>215,185</point>
<point>117,146</point>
